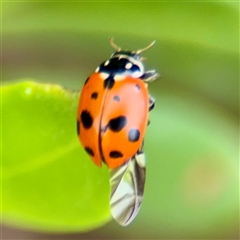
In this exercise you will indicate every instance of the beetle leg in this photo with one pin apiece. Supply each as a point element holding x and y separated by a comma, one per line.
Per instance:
<point>151,106</point>
<point>151,103</point>
<point>150,76</point>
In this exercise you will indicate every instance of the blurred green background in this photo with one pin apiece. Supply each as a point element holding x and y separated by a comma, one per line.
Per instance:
<point>192,148</point>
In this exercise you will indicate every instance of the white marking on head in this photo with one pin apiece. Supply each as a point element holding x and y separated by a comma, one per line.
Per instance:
<point>119,77</point>
<point>136,74</point>
<point>128,65</point>
<point>97,69</point>
<point>104,75</point>
<point>28,91</point>
<point>106,63</point>
<point>134,62</point>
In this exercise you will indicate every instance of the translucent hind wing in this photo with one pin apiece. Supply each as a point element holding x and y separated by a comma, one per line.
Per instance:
<point>127,187</point>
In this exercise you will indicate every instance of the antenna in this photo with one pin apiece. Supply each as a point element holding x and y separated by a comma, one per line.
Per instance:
<point>144,49</point>
<point>113,44</point>
<point>137,52</point>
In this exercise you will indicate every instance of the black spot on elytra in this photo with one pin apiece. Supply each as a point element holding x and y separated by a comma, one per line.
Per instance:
<point>115,154</point>
<point>137,87</point>
<point>133,135</point>
<point>86,119</point>
<point>117,124</point>
<point>89,151</point>
<point>78,127</point>
<point>94,95</point>
<point>109,82</point>
<point>116,98</point>
<point>86,81</point>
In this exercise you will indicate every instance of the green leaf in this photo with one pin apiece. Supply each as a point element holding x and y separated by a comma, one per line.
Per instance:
<point>48,181</point>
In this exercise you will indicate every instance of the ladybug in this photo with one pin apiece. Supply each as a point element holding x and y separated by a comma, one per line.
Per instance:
<point>112,117</point>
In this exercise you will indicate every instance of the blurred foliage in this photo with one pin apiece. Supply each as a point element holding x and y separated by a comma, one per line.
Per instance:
<point>192,143</point>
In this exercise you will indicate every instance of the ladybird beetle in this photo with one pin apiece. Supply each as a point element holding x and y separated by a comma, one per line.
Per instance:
<point>112,117</point>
